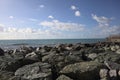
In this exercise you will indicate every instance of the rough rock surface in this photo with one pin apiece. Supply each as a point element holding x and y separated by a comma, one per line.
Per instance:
<point>40,71</point>
<point>83,70</point>
<point>95,61</point>
<point>63,77</point>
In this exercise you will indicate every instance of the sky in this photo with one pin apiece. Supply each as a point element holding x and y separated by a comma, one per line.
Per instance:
<point>59,19</point>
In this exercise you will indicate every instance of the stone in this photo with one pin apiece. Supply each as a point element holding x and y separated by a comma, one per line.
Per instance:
<point>113,74</point>
<point>70,59</point>
<point>33,56</point>
<point>83,70</point>
<point>48,57</point>
<point>40,71</point>
<point>104,74</point>
<point>118,51</point>
<point>11,64</point>
<point>4,75</point>
<point>92,56</point>
<point>63,77</point>
<point>108,56</point>
<point>1,52</point>
<point>112,65</point>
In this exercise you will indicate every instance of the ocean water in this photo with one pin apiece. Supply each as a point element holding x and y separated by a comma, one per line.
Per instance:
<point>37,42</point>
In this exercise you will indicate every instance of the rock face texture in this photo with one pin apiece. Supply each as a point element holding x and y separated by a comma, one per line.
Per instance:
<point>41,71</point>
<point>96,61</point>
<point>83,70</point>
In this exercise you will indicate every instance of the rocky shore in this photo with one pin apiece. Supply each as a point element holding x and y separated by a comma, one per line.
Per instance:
<point>96,61</point>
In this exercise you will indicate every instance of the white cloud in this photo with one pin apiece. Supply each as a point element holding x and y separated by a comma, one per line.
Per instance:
<point>104,28</point>
<point>11,17</point>
<point>18,30</point>
<point>41,6</point>
<point>33,20</point>
<point>26,33</point>
<point>73,7</point>
<point>77,13</point>
<point>50,17</point>
<point>56,25</point>
<point>101,19</point>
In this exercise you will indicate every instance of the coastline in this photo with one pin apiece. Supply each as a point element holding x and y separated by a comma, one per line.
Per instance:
<point>78,61</point>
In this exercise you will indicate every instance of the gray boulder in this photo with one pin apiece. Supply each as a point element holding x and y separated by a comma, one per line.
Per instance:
<point>36,71</point>
<point>83,70</point>
<point>1,52</point>
<point>33,56</point>
<point>11,64</point>
<point>63,77</point>
<point>4,75</point>
<point>108,56</point>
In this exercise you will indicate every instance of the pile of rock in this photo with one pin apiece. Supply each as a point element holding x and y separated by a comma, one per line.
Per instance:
<point>96,61</point>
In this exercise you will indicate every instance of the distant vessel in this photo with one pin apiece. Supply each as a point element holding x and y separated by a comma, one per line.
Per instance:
<point>114,38</point>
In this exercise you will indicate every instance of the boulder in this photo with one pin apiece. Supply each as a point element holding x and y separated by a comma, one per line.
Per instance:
<point>108,56</point>
<point>1,52</point>
<point>48,57</point>
<point>92,56</point>
<point>63,77</point>
<point>36,71</point>
<point>118,51</point>
<point>4,75</point>
<point>27,49</point>
<point>11,64</point>
<point>83,70</point>
<point>33,56</point>
<point>104,74</point>
<point>70,59</point>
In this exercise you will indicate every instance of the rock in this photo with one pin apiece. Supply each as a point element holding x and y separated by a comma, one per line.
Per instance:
<point>76,47</point>
<point>47,49</point>
<point>11,64</point>
<point>83,70</point>
<point>100,50</point>
<point>38,48</point>
<point>63,77</point>
<point>4,75</point>
<point>70,59</point>
<point>27,50</point>
<point>92,56</point>
<point>112,48</point>
<point>48,57</point>
<point>108,56</point>
<point>104,74</point>
<point>113,74</point>
<point>1,52</point>
<point>68,48</point>
<point>33,56</point>
<point>40,71</point>
<point>15,78</point>
<point>112,65</point>
<point>118,51</point>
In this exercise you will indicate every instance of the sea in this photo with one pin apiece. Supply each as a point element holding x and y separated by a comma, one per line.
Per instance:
<point>41,42</point>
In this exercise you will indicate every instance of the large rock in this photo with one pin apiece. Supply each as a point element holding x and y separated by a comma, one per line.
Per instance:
<point>11,64</point>
<point>36,71</point>
<point>5,75</point>
<point>92,56</point>
<point>83,70</point>
<point>33,56</point>
<point>104,74</point>
<point>63,77</point>
<point>108,56</point>
<point>1,52</point>
<point>118,51</point>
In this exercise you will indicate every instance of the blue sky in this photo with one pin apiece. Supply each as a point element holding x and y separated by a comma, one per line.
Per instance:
<point>51,19</point>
